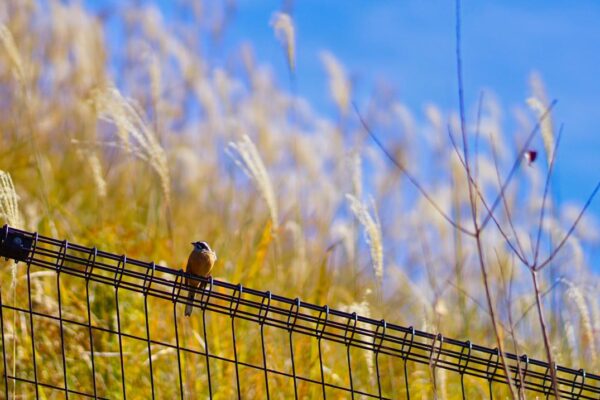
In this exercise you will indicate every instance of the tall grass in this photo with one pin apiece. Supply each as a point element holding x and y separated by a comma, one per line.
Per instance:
<point>148,145</point>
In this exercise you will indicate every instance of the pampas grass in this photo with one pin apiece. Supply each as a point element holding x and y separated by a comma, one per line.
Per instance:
<point>246,156</point>
<point>539,104</point>
<point>151,162</point>
<point>134,134</point>
<point>9,201</point>
<point>284,31</point>
<point>372,226</point>
<point>339,84</point>
<point>11,50</point>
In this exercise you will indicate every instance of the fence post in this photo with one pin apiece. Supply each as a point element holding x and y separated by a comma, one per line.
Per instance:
<point>232,312</point>
<point>262,317</point>
<point>377,348</point>
<point>291,324</point>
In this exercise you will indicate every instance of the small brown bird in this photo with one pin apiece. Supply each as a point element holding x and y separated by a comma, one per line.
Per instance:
<point>200,262</point>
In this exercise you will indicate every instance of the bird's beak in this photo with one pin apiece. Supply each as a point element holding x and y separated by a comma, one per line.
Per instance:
<point>192,243</point>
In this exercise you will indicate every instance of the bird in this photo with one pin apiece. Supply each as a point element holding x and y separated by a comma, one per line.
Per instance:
<point>200,262</point>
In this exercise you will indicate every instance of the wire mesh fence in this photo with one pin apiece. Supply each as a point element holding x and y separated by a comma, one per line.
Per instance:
<point>67,332</point>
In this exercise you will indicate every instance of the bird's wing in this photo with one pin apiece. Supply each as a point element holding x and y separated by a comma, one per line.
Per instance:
<point>206,261</point>
<point>192,267</point>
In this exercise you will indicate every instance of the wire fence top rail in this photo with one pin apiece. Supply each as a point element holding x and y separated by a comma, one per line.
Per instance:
<point>291,315</point>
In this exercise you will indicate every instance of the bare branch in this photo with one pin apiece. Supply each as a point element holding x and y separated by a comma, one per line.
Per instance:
<point>505,204</point>
<point>538,302</point>
<point>518,161</point>
<point>455,147</point>
<point>571,230</point>
<point>510,319</point>
<point>546,187</point>
<point>461,110</point>
<point>476,227</point>
<point>542,295</point>
<point>477,134</point>
<point>412,179</point>
<point>482,307</point>
<point>461,97</point>
<point>480,196</point>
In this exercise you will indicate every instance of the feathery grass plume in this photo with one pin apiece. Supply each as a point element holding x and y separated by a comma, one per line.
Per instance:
<point>154,70</point>
<point>339,85</point>
<point>284,31</point>
<point>569,335</point>
<point>94,161</point>
<point>134,134</point>
<point>225,86</point>
<point>153,25</point>
<point>299,241</point>
<point>91,157</point>
<point>356,167</point>
<point>68,63</point>
<point>405,118</point>
<point>341,232</point>
<point>538,102</point>
<point>576,295</point>
<point>249,160</point>
<point>9,201</point>
<point>372,230</point>
<point>443,379</point>
<point>9,211</point>
<point>260,252</point>
<point>10,47</point>
<point>78,54</point>
<point>592,296</point>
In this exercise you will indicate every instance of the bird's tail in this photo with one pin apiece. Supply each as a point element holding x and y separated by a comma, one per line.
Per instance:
<point>190,300</point>
<point>188,306</point>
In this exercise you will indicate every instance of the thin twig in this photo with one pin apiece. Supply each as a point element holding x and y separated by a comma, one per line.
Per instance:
<point>473,299</point>
<point>412,179</point>
<point>517,162</point>
<point>538,302</point>
<point>546,186</point>
<point>477,134</point>
<point>485,205</point>
<point>476,227</point>
<point>513,336</point>
<point>544,294</point>
<point>455,147</point>
<point>505,203</point>
<point>571,230</point>
<point>426,252</point>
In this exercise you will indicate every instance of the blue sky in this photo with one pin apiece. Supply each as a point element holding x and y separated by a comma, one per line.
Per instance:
<point>410,45</point>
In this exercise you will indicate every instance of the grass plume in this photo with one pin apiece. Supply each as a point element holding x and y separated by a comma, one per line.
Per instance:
<point>115,160</point>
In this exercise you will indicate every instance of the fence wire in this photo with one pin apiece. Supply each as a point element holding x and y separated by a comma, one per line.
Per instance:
<point>394,350</point>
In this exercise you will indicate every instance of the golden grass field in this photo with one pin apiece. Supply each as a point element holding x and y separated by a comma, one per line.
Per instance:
<point>295,202</point>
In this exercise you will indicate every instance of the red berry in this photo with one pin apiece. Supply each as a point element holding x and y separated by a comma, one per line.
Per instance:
<point>530,156</point>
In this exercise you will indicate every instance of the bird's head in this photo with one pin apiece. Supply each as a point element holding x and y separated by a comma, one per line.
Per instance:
<point>201,246</point>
